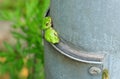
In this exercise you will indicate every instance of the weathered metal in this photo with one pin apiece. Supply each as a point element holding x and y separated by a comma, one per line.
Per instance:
<point>78,55</point>
<point>90,26</point>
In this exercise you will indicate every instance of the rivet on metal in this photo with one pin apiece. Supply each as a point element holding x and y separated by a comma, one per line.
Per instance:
<point>94,70</point>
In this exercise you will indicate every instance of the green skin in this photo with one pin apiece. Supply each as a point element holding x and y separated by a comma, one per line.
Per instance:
<point>105,74</point>
<point>50,34</point>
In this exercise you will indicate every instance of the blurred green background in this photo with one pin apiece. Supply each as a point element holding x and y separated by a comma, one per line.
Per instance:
<point>25,58</point>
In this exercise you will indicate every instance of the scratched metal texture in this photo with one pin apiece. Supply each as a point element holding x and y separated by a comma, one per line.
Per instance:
<point>90,25</point>
<point>58,66</point>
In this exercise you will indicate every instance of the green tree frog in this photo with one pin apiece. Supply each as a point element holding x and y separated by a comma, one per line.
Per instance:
<point>49,33</point>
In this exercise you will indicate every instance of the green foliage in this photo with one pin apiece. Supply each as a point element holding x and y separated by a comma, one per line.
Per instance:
<point>27,16</point>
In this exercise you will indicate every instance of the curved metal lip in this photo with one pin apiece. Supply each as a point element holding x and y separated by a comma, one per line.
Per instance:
<point>81,56</point>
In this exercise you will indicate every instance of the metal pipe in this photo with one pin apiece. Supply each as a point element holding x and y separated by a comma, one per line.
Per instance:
<point>90,33</point>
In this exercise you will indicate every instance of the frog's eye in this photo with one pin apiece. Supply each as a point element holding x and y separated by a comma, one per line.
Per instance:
<point>47,24</point>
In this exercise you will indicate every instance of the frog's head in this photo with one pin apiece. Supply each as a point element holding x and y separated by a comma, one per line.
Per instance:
<point>46,23</point>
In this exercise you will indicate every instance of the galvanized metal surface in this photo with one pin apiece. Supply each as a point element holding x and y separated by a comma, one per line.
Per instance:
<point>58,66</point>
<point>91,26</point>
<point>78,55</point>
